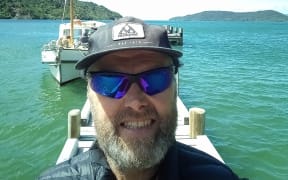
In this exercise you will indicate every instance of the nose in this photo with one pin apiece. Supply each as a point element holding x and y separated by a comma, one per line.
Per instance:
<point>135,98</point>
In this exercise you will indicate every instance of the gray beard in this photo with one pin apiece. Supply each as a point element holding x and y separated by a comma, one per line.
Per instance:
<point>137,153</point>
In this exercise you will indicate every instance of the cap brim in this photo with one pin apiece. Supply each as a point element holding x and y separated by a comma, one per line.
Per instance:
<point>91,58</point>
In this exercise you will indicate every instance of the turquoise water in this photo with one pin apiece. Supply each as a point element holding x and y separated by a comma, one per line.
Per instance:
<point>237,71</point>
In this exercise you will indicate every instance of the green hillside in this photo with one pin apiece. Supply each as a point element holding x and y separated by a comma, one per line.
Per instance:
<point>267,15</point>
<point>53,9</point>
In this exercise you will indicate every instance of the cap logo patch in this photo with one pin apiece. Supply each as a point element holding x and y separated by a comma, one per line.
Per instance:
<point>127,31</point>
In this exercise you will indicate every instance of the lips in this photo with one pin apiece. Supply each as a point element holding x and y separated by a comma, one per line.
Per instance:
<point>137,124</point>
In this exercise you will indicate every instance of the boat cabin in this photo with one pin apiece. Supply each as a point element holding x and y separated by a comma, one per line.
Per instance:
<point>81,33</point>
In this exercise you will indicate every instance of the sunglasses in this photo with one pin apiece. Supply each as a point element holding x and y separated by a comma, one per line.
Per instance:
<point>116,85</point>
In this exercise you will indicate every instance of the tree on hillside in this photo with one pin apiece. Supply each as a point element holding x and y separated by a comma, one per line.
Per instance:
<point>52,9</point>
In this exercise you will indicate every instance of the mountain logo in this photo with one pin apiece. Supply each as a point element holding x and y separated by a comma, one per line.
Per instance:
<point>127,31</point>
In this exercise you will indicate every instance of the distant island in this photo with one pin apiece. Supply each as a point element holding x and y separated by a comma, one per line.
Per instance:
<point>53,9</point>
<point>266,15</point>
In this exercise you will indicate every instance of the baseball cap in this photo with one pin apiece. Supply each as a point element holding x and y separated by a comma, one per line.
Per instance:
<point>125,34</point>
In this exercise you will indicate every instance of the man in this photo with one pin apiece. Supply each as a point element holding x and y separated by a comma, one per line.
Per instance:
<point>132,90</point>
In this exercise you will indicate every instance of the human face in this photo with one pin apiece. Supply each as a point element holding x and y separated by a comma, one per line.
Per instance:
<point>136,130</point>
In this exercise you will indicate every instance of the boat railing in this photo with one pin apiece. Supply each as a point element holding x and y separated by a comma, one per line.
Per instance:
<point>52,45</point>
<point>175,35</point>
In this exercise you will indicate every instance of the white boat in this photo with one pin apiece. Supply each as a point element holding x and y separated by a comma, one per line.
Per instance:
<point>72,44</point>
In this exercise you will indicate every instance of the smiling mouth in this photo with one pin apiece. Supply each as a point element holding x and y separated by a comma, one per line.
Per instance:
<point>137,124</point>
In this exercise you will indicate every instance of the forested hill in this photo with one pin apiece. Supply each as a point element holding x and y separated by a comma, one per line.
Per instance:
<point>53,9</point>
<point>267,15</point>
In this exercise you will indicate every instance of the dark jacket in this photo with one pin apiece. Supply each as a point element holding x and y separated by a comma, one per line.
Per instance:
<point>181,162</point>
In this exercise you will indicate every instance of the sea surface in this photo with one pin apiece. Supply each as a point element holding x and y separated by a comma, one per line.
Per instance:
<point>236,71</point>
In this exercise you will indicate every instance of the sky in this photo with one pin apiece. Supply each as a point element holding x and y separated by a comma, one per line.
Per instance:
<point>165,9</point>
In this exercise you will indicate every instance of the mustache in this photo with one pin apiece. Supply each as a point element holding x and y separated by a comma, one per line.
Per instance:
<point>146,113</point>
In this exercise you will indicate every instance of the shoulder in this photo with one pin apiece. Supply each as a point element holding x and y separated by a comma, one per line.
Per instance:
<point>189,155</point>
<point>86,165</point>
<point>189,162</point>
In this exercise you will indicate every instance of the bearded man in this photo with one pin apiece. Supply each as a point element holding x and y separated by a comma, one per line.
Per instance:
<point>132,90</point>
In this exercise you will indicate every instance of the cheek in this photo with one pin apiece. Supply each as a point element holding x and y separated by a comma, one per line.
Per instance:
<point>101,107</point>
<point>102,118</point>
<point>165,102</point>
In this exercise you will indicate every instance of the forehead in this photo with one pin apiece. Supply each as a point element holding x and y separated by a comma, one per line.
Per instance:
<point>132,58</point>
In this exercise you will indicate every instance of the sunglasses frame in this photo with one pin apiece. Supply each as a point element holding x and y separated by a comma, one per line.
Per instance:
<point>132,78</point>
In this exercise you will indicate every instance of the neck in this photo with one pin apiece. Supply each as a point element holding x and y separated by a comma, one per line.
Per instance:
<point>132,174</point>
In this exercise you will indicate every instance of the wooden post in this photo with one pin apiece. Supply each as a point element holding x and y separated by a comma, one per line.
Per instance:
<point>74,123</point>
<point>196,122</point>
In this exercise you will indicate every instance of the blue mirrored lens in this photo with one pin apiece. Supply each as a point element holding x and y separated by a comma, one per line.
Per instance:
<point>110,85</point>
<point>156,81</point>
<point>116,85</point>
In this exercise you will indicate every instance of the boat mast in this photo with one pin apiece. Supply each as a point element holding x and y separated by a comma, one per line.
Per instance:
<point>71,23</point>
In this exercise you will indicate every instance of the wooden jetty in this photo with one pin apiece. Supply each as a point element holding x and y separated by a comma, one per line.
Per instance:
<point>175,35</point>
<point>190,131</point>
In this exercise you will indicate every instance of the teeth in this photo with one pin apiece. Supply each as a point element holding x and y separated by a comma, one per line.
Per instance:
<point>137,124</point>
